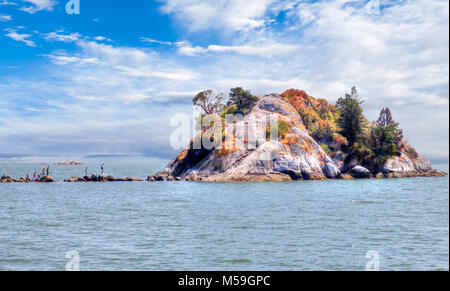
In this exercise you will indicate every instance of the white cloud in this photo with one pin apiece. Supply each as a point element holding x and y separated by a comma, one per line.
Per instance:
<point>6,3</point>
<point>39,5</point>
<point>59,35</point>
<point>235,15</point>
<point>5,18</point>
<point>267,49</point>
<point>21,37</point>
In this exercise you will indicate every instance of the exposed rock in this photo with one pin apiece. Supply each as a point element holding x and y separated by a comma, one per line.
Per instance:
<point>359,172</point>
<point>297,156</point>
<point>331,171</point>
<point>151,178</point>
<point>133,179</point>
<point>46,179</point>
<point>160,178</point>
<point>6,177</point>
<point>75,179</point>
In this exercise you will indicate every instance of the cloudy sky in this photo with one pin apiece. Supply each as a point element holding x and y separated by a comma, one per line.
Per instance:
<point>108,81</point>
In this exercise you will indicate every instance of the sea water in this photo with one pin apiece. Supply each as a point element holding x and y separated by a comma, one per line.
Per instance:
<point>304,225</point>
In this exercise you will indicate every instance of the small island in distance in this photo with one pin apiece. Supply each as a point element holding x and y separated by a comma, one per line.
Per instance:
<point>68,163</point>
<point>316,141</point>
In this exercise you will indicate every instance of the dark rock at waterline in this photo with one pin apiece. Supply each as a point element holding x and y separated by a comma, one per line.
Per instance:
<point>359,172</point>
<point>46,179</point>
<point>331,171</point>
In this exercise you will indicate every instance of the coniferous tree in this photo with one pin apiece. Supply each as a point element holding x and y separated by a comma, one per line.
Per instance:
<point>243,99</point>
<point>351,119</point>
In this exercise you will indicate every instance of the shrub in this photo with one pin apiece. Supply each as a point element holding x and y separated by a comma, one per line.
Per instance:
<point>326,149</point>
<point>243,99</point>
<point>412,153</point>
<point>283,128</point>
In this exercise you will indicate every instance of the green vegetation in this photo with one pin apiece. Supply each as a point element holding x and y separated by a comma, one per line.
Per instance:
<point>412,153</point>
<point>326,149</point>
<point>343,132</point>
<point>350,116</point>
<point>283,128</point>
<point>385,137</point>
<point>243,99</point>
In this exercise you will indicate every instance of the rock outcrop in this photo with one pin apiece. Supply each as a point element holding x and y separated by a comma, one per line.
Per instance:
<point>293,156</point>
<point>8,179</point>
<point>101,178</point>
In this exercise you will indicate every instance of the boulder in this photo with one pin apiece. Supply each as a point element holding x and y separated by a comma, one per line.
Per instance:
<point>151,178</point>
<point>331,171</point>
<point>379,176</point>
<point>6,177</point>
<point>47,179</point>
<point>160,178</point>
<point>133,179</point>
<point>359,172</point>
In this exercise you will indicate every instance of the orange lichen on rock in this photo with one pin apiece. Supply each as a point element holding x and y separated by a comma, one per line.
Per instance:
<point>310,109</point>
<point>228,146</point>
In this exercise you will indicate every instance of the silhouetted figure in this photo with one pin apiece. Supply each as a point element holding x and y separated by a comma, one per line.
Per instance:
<point>48,170</point>
<point>86,172</point>
<point>102,168</point>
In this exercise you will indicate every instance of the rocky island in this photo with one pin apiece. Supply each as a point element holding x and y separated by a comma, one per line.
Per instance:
<point>316,141</point>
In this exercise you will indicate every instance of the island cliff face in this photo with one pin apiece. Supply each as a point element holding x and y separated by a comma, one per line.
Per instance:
<point>296,155</point>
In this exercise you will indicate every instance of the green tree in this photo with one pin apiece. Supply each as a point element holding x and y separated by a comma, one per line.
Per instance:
<point>243,99</point>
<point>351,119</point>
<point>209,102</point>
<point>385,137</point>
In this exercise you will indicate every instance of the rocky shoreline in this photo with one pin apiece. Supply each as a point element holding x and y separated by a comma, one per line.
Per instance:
<point>356,173</point>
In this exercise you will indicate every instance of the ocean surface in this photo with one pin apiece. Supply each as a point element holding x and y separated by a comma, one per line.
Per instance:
<point>305,225</point>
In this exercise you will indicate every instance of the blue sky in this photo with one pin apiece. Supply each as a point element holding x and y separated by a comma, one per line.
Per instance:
<point>108,81</point>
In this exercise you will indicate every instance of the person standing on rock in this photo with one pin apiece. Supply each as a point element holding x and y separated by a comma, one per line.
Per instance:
<point>86,172</point>
<point>48,170</point>
<point>34,176</point>
<point>102,168</point>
